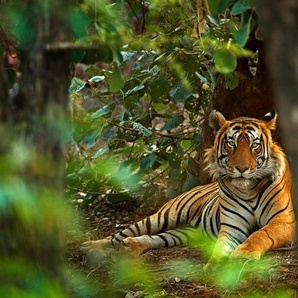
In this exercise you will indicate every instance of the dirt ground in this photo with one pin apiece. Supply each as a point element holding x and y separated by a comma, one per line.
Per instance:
<point>170,272</point>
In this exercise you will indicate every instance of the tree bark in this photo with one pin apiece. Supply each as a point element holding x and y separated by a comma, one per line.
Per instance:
<point>279,21</point>
<point>34,218</point>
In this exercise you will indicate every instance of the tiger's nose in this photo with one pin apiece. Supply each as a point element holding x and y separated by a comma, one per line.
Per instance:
<point>242,169</point>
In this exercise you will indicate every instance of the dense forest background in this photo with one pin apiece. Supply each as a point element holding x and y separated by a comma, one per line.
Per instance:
<point>107,101</point>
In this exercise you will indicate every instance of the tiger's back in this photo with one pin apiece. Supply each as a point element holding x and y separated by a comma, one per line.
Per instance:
<point>249,207</point>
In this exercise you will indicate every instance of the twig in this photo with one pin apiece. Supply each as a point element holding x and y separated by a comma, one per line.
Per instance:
<point>160,134</point>
<point>93,270</point>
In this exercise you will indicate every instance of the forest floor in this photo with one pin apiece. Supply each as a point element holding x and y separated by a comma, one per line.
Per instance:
<point>168,272</point>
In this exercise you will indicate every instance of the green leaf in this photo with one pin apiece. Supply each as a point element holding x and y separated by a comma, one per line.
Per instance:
<point>189,62</point>
<point>155,70</point>
<point>79,22</point>
<point>193,167</point>
<point>190,182</point>
<point>180,93</point>
<point>108,133</point>
<point>240,6</point>
<point>100,152</point>
<point>159,87</point>
<point>116,81</point>
<point>186,144</point>
<point>241,36</point>
<point>147,162</point>
<point>223,5</point>
<point>172,123</point>
<point>97,79</point>
<point>76,85</point>
<point>232,81</point>
<point>93,186</point>
<point>72,180</point>
<point>91,138</point>
<point>174,161</point>
<point>93,71</point>
<point>144,130</point>
<point>225,61</point>
<point>103,111</point>
<point>86,173</point>
<point>213,6</point>
<point>186,41</point>
<point>74,166</point>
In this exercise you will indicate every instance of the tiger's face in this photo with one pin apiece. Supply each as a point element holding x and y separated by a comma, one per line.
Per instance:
<point>243,150</point>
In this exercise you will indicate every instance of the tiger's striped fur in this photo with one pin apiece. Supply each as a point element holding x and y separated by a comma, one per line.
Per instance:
<point>249,207</point>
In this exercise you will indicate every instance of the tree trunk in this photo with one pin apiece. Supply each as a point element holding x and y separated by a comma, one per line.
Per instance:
<point>279,20</point>
<point>35,218</point>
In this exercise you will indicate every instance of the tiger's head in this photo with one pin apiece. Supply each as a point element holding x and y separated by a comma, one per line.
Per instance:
<point>243,150</point>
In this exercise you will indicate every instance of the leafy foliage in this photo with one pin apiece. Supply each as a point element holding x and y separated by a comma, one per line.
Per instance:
<point>137,115</point>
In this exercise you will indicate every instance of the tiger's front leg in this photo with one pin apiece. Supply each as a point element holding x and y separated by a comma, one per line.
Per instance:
<point>141,244</point>
<point>221,252</point>
<point>269,237</point>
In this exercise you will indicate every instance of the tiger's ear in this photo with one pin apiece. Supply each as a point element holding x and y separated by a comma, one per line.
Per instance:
<point>216,120</point>
<point>270,119</point>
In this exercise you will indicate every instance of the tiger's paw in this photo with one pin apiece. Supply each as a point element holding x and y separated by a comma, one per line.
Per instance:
<point>213,264</point>
<point>98,245</point>
<point>99,252</point>
<point>134,246</point>
<point>245,253</point>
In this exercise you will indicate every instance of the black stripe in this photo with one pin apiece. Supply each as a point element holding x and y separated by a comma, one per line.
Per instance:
<point>148,225</point>
<point>138,229</point>
<point>270,200</point>
<point>115,238</point>
<point>181,200</point>
<point>194,214</point>
<point>132,231</point>
<point>277,212</point>
<point>166,221</point>
<point>178,221</point>
<point>234,227</point>
<point>201,197</point>
<point>184,232</point>
<point>234,212</point>
<point>213,224</point>
<point>164,239</point>
<point>234,200</point>
<point>234,239</point>
<point>199,219</point>
<point>217,219</point>
<point>176,237</point>
<point>122,234</point>
<point>237,127</point>
<point>260,195</point>
<point>246,122</point>
<point>250,128</point>
<point>207,212</point>
<point>160,212</point>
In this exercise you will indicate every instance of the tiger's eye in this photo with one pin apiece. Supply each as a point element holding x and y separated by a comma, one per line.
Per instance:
<point>255,145</point>
<point>231,144</point>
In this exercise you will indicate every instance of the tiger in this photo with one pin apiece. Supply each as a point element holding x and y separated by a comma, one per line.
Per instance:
<point>248,208</point>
